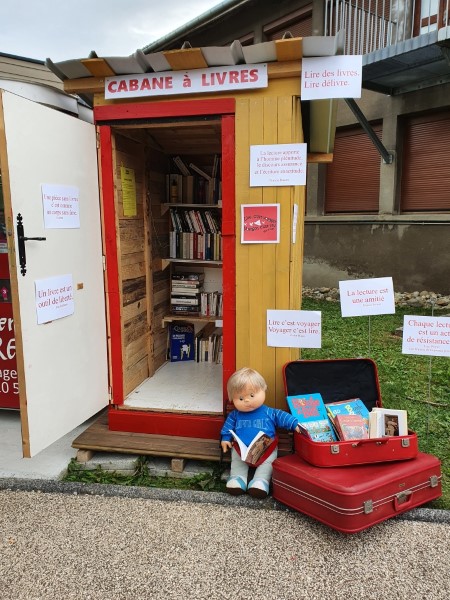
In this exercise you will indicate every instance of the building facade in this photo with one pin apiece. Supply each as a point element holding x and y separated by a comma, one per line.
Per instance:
<point>372,212</point>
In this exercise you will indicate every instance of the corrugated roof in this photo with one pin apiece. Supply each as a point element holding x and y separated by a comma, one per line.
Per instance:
<point>288,49</point>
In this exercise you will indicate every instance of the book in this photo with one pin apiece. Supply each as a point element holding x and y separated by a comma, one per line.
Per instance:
<point>181,342</point>
<point>352,406</point>
<point>318,431</point>
<point>200,171</point>
<point>311,413</point>
<point>181,165</point>
<point>253,452</point>
<point>174,187</point>
<point>386,422</point>
<point>188,276</point>
<point>307,407</point>
<point>350,427</point>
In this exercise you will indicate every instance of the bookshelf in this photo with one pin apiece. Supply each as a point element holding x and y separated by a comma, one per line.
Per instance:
<point>194,213</point>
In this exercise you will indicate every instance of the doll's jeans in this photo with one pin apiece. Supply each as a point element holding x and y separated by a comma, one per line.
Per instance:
<point>239,468</point>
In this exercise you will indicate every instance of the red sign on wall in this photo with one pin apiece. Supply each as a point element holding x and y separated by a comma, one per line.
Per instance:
<point>9,384</point>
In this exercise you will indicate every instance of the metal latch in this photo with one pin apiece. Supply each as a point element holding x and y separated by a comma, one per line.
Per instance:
<point>368,507</point>
<point>405,442</point>
<point>403,496</point>
<point>334,449</point>
<point>434,481</point>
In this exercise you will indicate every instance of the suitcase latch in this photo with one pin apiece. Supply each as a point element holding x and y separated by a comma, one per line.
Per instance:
<point>405,443</point>
<point>368,507</point>
<point>334,449</point>
<point>434,481</point>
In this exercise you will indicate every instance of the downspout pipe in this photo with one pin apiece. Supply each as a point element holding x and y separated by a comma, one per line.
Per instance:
<point>387,156</point>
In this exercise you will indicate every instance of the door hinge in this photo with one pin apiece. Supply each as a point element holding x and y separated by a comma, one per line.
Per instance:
<point>97,136</point>
<point>104,262</point>
<point>110,393</point>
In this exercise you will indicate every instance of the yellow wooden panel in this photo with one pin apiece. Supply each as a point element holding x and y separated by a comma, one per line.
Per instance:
<point>289,49</point>
<point>269,251</point>
<point>188,58</point>
<point>243,339</point>
<point>255,267</point>
<point>285,135</point>
<point>98,67</point>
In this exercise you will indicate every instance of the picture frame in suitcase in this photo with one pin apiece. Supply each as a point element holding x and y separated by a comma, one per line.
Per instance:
<point>337,380</point>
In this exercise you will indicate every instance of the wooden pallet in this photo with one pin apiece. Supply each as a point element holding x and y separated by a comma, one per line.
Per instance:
<point>98,438</point>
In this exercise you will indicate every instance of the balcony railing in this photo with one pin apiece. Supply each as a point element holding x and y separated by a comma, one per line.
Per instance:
<point>374,24</point>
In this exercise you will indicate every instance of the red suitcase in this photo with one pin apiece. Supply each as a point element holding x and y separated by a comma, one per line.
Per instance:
<point>350,499</point>
<point>341,379</point>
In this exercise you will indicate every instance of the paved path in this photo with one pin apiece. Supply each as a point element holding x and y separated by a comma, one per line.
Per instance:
<point>138,544</point>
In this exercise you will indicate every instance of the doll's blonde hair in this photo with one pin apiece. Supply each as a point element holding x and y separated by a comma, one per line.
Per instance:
<point>245,376</point>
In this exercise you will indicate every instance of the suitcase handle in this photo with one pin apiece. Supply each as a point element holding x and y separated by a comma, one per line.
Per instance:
<point>402,500</point>
<point>376,441</point>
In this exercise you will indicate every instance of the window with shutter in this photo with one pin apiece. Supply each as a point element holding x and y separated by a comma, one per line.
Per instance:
<point>353,178</point>
<point>425,184</point>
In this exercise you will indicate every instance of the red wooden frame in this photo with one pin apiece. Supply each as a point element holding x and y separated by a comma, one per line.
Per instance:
<point>112,266</point>
<point>106,116</point>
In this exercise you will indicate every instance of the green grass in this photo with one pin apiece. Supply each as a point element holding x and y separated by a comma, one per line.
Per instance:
<point>207,482</point>
<point>414,383</point>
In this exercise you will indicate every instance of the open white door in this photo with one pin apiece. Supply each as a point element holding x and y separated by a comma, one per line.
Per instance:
<point>62,364</point>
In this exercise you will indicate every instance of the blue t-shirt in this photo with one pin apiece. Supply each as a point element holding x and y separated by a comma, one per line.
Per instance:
<point>248,424</point>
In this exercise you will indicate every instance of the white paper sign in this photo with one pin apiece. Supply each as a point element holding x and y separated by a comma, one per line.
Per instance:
<point>278,165</point>
<point>331,77</point>
<point>61,206</point>
<point>54,298</point>
<point>429,336</point>
<point>166,83</point>
<point>294,328</point>
<point>361,297</point>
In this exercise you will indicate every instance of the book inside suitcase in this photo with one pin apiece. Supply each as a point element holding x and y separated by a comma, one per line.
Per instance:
<point>337,379</point>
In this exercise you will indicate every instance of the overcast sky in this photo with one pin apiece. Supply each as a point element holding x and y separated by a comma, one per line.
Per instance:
<point>64,29</point>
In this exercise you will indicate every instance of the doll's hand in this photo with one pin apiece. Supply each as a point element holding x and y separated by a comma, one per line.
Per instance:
<point>225,446</point>
<point>297,429</point>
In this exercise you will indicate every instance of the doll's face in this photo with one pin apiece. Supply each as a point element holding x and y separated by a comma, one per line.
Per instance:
<point>248,399</point>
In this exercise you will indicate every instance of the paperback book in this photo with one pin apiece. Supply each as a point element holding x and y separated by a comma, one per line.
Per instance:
<point>352,406</point>
<point>318,431</point>
<point>181,341</point>
<point>350,427</point>
<point>311,412</point>
<point>252,453</point>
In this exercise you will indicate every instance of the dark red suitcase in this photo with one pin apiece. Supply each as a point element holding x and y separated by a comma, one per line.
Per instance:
<point>341,379</point>
<point>350,499</point>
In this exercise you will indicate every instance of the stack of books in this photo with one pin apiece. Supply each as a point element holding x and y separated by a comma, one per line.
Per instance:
<point>185,293</point>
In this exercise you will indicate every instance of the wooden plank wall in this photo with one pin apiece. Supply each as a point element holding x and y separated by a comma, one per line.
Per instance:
<point>134,257</point>
<point>268,276</point>
<point>156,169</point>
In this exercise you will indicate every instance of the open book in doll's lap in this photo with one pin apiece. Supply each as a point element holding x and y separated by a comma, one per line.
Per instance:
<point>255,425</point>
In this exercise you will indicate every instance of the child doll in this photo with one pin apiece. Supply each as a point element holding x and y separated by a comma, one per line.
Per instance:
<point>247,390</point>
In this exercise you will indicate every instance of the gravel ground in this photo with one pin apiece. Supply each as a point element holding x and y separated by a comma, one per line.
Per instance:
<point>157,544</point>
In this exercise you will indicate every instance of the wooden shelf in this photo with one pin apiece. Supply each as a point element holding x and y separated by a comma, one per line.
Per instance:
<point>167,205</point>
<point>193,318</point>
<point>194,261</point>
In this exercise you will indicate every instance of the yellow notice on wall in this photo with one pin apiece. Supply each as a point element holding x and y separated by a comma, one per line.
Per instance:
<point>128,192</point>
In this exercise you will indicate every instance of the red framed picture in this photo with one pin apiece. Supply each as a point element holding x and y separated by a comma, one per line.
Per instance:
<point>260,223</point>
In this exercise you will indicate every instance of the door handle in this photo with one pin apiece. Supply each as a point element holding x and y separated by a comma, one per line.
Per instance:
<point>21,239</point>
